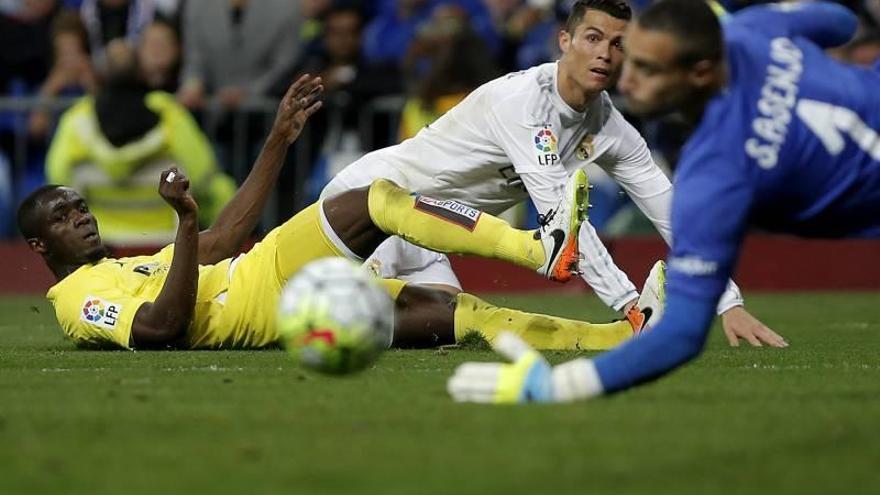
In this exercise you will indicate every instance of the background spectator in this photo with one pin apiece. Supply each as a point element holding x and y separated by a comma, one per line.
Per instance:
<point>107,20</point>
<point>112,147</point>
<point>25,60</point>
<point>513,20</point>
<point>445,62</point>
<point>312,12</point>
<point>351,83</point>
<point>349,80</point>
<point>158,54</point>
<point>25,43</point>
<point>390,32</point>
<point>236,48</point>
<point>71,73</point>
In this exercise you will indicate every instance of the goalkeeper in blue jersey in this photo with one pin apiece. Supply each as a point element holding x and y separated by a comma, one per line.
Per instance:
<point>784,138</point>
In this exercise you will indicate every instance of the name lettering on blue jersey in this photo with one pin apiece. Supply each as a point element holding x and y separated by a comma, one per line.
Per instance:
<point>778,97</point>
<point>693,266</point>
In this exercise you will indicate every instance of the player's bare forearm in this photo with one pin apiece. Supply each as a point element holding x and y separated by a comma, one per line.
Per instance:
<point>240,216</point>
<point>168,317</point>
<point>171,313</point>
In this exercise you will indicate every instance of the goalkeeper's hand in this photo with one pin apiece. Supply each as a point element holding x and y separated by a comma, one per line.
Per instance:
<point>529,377</point>
<point>526,379</point>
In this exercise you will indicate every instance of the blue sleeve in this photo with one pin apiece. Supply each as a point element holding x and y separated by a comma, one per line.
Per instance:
<point>825,24</point>
<point>711,203</point>
<point>677,339</point>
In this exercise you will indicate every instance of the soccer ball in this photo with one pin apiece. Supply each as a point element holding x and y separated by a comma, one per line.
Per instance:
<point>335,317</point>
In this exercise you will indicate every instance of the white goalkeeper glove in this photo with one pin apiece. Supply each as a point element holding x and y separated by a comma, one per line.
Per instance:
<point>529,377</point>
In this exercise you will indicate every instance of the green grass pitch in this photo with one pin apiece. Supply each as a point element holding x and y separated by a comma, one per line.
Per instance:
<point>751,421</point>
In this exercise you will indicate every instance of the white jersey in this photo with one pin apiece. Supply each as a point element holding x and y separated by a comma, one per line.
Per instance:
<point>514,138</point>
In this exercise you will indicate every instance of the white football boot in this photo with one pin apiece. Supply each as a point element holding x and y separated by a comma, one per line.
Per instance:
<point>652,301</point>
<point>559,229</point>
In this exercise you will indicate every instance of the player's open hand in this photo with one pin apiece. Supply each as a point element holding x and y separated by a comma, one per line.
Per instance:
<point>299,103</point>
<point>740,324</point>
<point>174,189</point>
<point>526,379</point>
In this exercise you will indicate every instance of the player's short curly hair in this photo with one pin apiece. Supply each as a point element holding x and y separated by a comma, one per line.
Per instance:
<point>615,8</point>
<point>29,223</point>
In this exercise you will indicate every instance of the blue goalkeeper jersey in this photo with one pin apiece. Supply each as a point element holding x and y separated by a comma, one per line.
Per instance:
<point>791,145</point>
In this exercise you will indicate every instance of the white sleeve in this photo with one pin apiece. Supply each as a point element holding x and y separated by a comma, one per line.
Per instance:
<point>629,163</point>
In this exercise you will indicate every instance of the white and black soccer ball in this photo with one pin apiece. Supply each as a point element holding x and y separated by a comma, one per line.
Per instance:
<point>335,317</point>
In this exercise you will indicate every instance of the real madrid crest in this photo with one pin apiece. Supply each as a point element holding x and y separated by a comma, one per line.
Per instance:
<point>585,149</point>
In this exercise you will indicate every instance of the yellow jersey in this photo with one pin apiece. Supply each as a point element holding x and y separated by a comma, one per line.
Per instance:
<point>96,304</point>
<point>236,302</point>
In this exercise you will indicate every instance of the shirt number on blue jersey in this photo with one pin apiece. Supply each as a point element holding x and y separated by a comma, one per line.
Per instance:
<point>831,124</point>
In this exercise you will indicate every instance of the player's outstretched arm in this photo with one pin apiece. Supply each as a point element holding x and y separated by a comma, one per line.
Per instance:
<point>824,23</point>
<point>678,338</point>
<point>240,216</point>
<point>166,319</point>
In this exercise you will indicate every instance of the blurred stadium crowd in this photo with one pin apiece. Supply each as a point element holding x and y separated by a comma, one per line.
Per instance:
<point>101,94</point>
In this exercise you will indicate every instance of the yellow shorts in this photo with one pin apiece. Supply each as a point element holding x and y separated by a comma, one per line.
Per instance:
<point>260,275</point>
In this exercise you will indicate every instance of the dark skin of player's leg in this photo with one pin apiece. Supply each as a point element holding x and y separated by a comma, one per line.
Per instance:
<point>425,317</point>
<point>348,215</point>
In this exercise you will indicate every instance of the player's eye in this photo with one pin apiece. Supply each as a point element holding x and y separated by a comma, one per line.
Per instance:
<point>593,38</point>
<point>618,45</point>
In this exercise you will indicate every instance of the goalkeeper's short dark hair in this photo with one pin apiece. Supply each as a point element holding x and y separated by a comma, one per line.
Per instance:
<point>615,8</point>
<point>693,23</point>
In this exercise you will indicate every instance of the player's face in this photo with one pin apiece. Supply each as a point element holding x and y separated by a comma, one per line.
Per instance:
<point>69,230</point>
<point>653,81</point>
<point>593,54</point>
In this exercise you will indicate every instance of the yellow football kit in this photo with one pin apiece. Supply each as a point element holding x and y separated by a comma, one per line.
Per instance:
<point>236,301</point>
<point>237,298</point>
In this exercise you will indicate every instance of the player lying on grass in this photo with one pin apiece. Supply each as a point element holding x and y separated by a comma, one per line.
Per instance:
<point>784,138</point>
<point>521,136</point>
<point>194,294</point>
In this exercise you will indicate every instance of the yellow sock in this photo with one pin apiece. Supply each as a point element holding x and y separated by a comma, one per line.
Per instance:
<point>450,227</point>
<point>472,314</point>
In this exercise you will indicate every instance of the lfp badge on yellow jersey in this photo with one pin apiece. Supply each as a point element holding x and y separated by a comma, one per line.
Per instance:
<point>100,312</point>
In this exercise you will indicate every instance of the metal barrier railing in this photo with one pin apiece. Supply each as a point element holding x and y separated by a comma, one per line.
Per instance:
<point>236,136</point>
